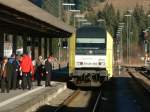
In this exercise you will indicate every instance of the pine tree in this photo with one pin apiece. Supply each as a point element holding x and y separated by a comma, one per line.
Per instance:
<point>139,16</point>
<point>109,15</point>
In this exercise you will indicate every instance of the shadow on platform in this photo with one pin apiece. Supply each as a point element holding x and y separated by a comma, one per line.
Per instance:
<point>88,108</point>
<point>48,108</point>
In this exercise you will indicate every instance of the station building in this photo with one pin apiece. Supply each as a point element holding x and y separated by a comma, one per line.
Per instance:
<point>26,27</point>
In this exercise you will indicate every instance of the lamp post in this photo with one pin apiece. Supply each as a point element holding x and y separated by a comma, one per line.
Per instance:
<point>148,34</point>
<point>79,16</point>
<point>119,46</point>
<point>146,44</point>
<point>128,37</point>
<point>131,40</point>
<point>60,9</point>
<point>81,21</point>
<point>118,50</point>
<point>101,22</point>
<point>68,5</point>
<point>87,23</point>
<point>119,43</point>
<point>74,18</point>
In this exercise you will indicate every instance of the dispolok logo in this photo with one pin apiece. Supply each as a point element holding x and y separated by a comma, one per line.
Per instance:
<point>89,63</point>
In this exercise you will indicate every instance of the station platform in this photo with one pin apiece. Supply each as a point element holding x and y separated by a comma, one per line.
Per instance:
<point>29,100</point>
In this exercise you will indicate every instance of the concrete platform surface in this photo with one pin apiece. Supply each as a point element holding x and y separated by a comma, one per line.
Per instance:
<point>29,100</point>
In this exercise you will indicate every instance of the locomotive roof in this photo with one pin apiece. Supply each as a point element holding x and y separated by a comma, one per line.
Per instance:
<point>91,32</point>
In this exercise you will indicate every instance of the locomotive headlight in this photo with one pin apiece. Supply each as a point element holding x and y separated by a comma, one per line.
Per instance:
<point>102,63</point>
<point>90,52</point>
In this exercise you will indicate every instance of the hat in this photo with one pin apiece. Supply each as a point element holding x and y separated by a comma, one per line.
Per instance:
<point>5,57</point>
<point>40,57</point>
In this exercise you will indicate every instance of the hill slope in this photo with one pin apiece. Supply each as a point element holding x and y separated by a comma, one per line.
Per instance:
<point>124,4</point>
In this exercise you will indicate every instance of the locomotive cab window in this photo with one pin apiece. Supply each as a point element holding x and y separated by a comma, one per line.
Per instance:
<point>91,41</point>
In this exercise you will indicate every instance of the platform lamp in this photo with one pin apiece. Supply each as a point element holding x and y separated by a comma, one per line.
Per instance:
<point>148,34</point>
<point>101,21</point>
<point>74,18</point>
<point>79,16</point>
<point>146,44</point>
<point>148,16</point>
<point>119,47</point>
<point>81,21</point>
<point>121,26</point>
<point>69,6</point>
<point>87,23</point>
<point>128,36</point>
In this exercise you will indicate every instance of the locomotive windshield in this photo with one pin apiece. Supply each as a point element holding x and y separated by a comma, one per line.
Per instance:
<point>91,41</point>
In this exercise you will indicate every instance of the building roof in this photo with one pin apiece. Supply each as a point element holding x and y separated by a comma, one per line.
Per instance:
<point>26,7</point>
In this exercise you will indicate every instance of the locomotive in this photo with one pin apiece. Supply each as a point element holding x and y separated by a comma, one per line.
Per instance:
<point>90,56</point>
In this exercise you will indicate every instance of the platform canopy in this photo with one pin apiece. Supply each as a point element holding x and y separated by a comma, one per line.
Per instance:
<point>22,16</point>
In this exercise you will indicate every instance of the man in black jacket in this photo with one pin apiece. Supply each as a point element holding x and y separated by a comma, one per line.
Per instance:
<point>39,70</point>
<point>16,71</point>
<point>48,68</point>
<point>5,75</point>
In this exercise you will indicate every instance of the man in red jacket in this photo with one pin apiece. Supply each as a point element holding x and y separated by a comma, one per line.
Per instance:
<point>27,71</point>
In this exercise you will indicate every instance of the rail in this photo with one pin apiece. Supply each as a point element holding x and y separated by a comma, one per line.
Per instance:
<point>144,71</point>
<point>140,79</point>
<point>67,101</point>
<point>97,103</point>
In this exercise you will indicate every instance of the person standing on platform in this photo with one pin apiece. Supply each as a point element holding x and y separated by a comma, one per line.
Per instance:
<point>27,71</point>
<point>16,67</point>
<point>11,60</point>
<point>5,74</point>
<point>19,78</point>
<point>39,71</point>
<point>48,68</point>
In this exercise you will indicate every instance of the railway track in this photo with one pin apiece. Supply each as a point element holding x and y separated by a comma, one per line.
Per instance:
<point>141,88</point>
<point>140,78</point>
<point>95,104</point>
<point>67,101</point>
<point>144,71</point>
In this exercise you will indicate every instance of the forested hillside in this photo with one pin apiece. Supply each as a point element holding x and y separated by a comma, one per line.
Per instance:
<point>113,12</point>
